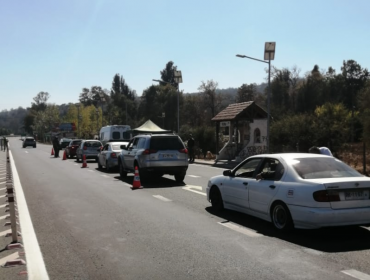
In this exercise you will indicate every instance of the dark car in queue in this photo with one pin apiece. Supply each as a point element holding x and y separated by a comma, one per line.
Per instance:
<point>29,141</point>
<point>88,148</point>
<point>64,142</point>
<point>72,147</point>
<point>108,156</point>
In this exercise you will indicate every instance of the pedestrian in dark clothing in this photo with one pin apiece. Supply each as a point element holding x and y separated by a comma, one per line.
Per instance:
<point>191,144</point>
<point>56,146</point>
<point>5,144</point>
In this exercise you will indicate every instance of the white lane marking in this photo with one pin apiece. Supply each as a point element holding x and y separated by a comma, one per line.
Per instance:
<point>106,176</point>
<point>76,164</point>
<point>2,183</point>
<point>35,263</point>
<point>1,196</point>
<point>191,187</point>
<point>205,166</point>
<point>5,232</point>
<point>11,257</point>
<point>194,176</point>
<point>26,152</point>
<point>3,206</point>
<point>162,198</point>
<point>2,189</point>
<point>241,229</point>
<point>3,217</point>
<point>356,274</point>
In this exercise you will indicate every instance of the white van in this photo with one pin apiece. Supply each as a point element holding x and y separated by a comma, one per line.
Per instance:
<point>115,133</point>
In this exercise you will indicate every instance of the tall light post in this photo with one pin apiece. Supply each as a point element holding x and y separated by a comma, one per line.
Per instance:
<point>178,80</point>
<point>268,55</point>
<point>102,100</point>
<point>78,119</point>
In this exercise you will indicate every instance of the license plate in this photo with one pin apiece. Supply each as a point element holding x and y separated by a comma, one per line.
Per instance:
<point>167,156</point>
<point>356,195</point>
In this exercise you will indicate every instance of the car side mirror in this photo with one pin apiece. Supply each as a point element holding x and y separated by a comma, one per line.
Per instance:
<point>227,173</point>
<point>123,147</point>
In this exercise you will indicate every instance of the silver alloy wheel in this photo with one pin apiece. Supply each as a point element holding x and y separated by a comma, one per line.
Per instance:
<point>280,216</point>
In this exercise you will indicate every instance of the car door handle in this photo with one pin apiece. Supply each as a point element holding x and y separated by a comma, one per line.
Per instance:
<point>245,183</point>
<point>272,187</point>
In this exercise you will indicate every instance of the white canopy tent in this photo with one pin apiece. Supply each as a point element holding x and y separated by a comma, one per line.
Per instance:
<point>150,127</point>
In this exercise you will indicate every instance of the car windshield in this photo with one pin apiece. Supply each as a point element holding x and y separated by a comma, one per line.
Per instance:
<point>117,147</point>
<point>318,168</point>
<point>166,143</point>
<point>92,144</point>
<point>76,142</point>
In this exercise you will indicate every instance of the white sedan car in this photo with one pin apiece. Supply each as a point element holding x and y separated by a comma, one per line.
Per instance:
<point>294,190</point>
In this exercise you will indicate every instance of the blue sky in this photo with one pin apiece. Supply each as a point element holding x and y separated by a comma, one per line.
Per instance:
<point>62,46</point>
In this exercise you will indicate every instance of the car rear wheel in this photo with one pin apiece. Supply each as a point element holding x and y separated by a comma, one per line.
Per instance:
<point>34,146</point>
<point>216,199</point>
<point>122,172</point>
<point>77,159</point>
<point>281,218</point>
<point>180,177</point>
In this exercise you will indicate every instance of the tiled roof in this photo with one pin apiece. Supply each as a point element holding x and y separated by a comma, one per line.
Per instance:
<point>234,110</point>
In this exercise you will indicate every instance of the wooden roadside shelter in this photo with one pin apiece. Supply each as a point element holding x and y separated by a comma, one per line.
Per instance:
<point>247,126</point>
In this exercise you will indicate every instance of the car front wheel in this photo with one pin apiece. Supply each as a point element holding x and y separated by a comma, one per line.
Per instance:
<point>99,165</point>
<point>78,160</point>
<point>216,199</point>
<point>281,218</point>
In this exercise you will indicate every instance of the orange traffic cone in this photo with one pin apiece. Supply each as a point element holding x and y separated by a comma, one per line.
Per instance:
<point>84,163</point>
<point>64,155</point>
<point>52,151</point>
<point>136,184</point>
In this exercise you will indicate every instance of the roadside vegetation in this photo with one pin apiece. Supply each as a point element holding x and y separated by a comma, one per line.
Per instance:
<point>320,107</point>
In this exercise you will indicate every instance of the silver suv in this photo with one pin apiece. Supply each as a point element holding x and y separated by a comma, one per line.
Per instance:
<point>89,148</point>
<point>155,155</point>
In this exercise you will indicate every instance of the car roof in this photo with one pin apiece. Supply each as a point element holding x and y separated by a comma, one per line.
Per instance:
<point>288,156</point>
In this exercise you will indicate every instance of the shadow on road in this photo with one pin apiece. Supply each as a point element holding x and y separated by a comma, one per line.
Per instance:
<point>330,240</point>
<point>160,182</point>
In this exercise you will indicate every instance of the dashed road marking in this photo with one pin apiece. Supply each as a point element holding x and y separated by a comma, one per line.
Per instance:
<point>76,164</point>
<point>162,198</point>
<point>106,176</point>
<point>5,232</point>
<point>26,152</point>
<point>356,274</point>
<point>241,229</point>
<point>91,170</point>
<point>195,189</point>
<point>193,176</point>
<point>11,257</point>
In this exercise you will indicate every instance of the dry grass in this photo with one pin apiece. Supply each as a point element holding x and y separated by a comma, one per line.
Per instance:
<point>352,154</point>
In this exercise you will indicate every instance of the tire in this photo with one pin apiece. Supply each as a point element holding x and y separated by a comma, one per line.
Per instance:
<point>107,168</point>
<point>77,159</point>
<point>122,172</point>
<point>180,177</point>
<point>281,218</point>
<point>34,146</point>
<point>216,199</point>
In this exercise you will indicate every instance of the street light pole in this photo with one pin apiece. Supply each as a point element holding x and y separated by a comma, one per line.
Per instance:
<point>269,55</point>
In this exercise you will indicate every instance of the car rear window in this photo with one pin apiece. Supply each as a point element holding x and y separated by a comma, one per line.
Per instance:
<point>166,143</point>
<point>92,144</point>
<point>317,168</point>
<point>116,135</point>
<point>116,147</point>
<point>76,142</point>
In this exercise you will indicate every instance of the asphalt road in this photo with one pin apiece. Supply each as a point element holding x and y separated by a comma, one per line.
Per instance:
<point>91,225</point>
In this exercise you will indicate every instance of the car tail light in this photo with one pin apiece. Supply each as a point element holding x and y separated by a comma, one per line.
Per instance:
<point>325,196</point>
<point>183,151</point>
<point>85,148</point>
<point>147,152</point>
<point>113,155</point>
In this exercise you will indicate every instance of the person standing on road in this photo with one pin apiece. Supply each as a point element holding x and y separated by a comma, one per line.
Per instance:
<point>56,146</point>
<point>321,150</point>
<point>5,144</point>
<point>191,144</point>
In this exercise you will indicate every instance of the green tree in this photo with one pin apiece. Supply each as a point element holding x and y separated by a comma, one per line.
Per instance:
<point>40,101</point>
<point>211,99</point>
<point>168,74</point>
<point>246,93</point>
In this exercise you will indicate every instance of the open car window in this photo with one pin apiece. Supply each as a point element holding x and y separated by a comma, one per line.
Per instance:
<point>248,169</point>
